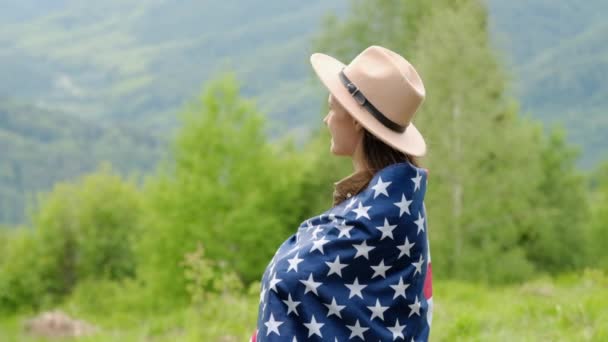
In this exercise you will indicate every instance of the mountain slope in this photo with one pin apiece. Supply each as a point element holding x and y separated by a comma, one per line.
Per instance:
<point>558,54</point>
<point>40,148</point>
<point>133,60</point>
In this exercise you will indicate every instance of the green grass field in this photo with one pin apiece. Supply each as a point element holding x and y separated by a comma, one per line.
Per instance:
<point>568,308</point>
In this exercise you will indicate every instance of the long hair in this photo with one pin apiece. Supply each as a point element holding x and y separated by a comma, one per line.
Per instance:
<point>379,155</point>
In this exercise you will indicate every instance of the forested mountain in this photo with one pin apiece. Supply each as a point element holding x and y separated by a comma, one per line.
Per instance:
<point>100,67</point>
<point>558,54</point>
<point>40,148</point>
<point>118,64</point>
<point>140,60</point>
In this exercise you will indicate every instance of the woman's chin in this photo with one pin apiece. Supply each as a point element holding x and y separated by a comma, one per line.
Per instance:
<point>333,149</point>
<point>337,152</point>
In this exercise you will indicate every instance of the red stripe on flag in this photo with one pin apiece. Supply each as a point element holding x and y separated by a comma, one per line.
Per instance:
<point>428,282</point>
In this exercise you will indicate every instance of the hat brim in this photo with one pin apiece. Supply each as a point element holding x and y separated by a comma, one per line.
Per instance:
<point>328,69</point>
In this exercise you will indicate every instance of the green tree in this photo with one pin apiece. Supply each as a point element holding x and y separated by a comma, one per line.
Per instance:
<point>225,187</point>
<point>88,226</point>
<point>82,230</point>
<point>598,228</point>
<point>557,237</point>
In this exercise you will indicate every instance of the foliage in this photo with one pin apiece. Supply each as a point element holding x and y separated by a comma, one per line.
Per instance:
<point>97,216</point>
<point>23,284</point>
<point>561,210</point>
<point>82,231</point>
<point>207,277</point>
<point>599,217</point>
<point>227,188</point>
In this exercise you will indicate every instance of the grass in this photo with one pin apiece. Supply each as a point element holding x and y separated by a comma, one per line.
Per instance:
<point>572,307</point>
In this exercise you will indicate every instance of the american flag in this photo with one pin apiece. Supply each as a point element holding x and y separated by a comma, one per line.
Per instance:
<point>359,271</point>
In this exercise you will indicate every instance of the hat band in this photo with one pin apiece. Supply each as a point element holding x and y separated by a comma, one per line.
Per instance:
<point>364,102</point>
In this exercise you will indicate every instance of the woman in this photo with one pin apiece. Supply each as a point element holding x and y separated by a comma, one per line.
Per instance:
<point>361,270</point>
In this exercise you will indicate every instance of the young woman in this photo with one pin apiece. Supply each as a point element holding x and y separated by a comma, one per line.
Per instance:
<point>362,269</point>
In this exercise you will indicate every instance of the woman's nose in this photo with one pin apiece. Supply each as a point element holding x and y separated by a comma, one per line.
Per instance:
<point>326,118</point>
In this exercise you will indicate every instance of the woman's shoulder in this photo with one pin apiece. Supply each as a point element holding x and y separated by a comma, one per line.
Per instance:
<point>396,181</point>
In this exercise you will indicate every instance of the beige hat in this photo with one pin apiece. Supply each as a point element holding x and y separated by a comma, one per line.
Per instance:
<point>381,90</point>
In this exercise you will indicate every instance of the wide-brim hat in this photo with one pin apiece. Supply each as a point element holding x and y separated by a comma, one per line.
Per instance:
<point>381,90</point>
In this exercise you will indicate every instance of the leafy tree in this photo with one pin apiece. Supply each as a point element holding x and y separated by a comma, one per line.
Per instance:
<point>22,281</point>
<point>225,187</point>
<point>598,229</point>
<point>558,235</point>
<point>83,230</point>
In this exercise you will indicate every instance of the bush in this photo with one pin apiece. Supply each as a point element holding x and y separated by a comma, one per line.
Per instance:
<point>207,277</point>
<point>226,187</point>
<point>83,230</point>
<point>23,283</point>
<point>87,228</point>
<point>598,227</point>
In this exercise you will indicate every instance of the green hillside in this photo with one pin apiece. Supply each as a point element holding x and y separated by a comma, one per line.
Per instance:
<point>558,54</point>
<point>129,60</point>
<point>87,67</point>
<point>40,148</point>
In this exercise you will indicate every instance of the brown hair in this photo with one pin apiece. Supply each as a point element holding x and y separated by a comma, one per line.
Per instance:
<point>379,155</point>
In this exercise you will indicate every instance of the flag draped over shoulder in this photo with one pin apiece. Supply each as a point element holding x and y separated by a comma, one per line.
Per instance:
<point>359,271</point>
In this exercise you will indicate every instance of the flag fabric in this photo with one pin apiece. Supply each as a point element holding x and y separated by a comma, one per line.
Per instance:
<point>360,271</point>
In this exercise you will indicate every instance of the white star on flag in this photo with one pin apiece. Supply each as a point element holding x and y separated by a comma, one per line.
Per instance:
<point>317,230</point>
<point>309,225</point>
<point>397,330</point>
<point>403,205</point>
<point>380,188</point>
<point>400,288</point>
<point>416,181</point>
<point>311,285</point>
<point>363,250</point>
<point>318,245</point>
<point>418,265</point>
<point>420,223</point>
<point>344,229</point>
<point>262,293</point>
<point>355,289</point>
<point>357,330</point>
<point>334,308</point>
<point>273,282</point>
<point>273,326</point>
<point>377,310</point>
<point>380,270</point>
<point>293,262</point>
<point>387,230</point>
<point>350,204</point>
<point>291,305</point>
<point>335,267</point>
<point>362,211</point>
<point>405,248</point>
<point>314,328</point>
<point>415,308</point>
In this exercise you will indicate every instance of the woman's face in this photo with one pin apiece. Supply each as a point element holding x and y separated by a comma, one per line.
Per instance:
<point>346,133</point>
